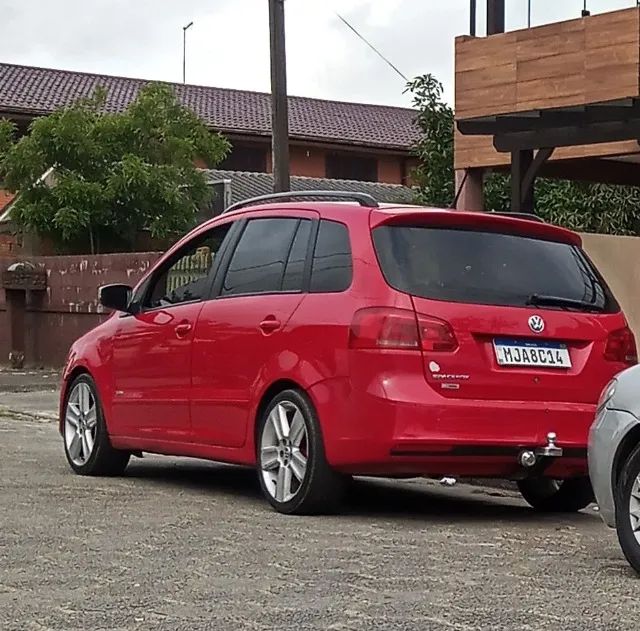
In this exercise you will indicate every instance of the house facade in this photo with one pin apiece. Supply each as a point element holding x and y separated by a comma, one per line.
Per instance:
<point>350,142</point>
<point>337,140</point>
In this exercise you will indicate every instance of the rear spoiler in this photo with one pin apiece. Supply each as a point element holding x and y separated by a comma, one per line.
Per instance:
<point>527,216</point>
<point>510,223</point>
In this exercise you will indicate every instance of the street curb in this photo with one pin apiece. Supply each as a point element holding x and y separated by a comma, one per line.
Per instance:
<point>21,415</point>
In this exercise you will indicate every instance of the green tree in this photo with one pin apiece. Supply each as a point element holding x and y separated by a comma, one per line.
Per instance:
<point>580,206</point>
<point>110,175</point>
<point>434,177</point>
<point>601,208</point>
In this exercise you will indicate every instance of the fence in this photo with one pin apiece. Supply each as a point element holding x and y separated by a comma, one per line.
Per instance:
<point>69,307</point>
<point>189,269</point>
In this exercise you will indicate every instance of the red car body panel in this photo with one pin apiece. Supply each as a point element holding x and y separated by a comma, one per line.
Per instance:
<point>189,380</point>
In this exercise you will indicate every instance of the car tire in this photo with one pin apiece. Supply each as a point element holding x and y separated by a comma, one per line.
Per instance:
<point>557,496</point>
<point>84,432</point>
<point>628,490</point>
<point>293,471</point>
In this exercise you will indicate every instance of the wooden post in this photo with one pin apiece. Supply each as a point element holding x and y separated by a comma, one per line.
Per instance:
<point>495,17</point>
<point>471,196</point>
<point>472,18</point>
<point>279,105</point>
<point>522,199</point>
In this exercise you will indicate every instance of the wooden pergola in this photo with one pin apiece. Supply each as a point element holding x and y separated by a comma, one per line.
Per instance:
<point>561,100</point>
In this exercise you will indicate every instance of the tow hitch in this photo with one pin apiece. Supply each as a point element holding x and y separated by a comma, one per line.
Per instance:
<point>536,460</point>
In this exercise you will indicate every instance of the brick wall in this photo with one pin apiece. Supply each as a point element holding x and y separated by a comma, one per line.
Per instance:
<point>307,161</point>
<point>9,244</point>
<point>390,170</point>
<point>70,306</point>
<point>310,161</point>
<point>5,198</point>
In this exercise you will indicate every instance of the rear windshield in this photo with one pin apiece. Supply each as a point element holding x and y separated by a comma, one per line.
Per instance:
<point>489,268</point>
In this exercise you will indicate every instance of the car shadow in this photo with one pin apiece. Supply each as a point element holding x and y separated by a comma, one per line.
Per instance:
<point>365,498</point>
<point>428,500</point>
<point>198,475</point>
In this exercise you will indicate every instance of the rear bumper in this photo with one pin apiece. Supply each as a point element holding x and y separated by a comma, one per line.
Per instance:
<point>605,437</point>
<point>373,433</point>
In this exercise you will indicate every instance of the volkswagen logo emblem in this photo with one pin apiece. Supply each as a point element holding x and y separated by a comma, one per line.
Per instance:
<point>536,324</point>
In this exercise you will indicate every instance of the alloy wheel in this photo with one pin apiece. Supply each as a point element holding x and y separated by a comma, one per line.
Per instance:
<point>284,451</point>
<point>80,424</point>
<point>634,508</point>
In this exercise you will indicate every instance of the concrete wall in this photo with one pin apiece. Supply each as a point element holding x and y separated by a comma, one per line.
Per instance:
<point>70,306</point>
<point>618,259</point>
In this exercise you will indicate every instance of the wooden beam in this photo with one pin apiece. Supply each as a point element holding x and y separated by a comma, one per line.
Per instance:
<point>568,136</point>
<point>596,170</point>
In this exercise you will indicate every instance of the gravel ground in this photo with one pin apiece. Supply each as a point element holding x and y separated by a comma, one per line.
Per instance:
<point>184,544</point>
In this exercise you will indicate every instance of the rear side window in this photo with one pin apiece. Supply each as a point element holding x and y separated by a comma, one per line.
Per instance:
<point>332,268</point>
<point>488,268</point>
<point>258,263</point>
<point>294,272</point>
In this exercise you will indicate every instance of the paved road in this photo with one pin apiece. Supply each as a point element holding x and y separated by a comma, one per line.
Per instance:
<point>179,545</point>
<point>29,393</point>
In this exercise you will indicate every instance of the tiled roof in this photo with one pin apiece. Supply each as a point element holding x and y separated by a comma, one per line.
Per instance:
<point>33,91</point>
<point>246,185</point>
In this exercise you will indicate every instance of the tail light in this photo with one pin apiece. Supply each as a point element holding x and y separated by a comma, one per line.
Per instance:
<point>621,347</point>
<point>436,335</point>
<point>400,329</point>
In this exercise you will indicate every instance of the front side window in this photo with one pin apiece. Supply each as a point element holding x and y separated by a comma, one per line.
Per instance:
<point>187,277</point>
<point>259,261</point>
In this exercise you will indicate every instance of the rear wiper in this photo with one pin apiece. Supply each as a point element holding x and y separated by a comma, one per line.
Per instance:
<point>540,300</point>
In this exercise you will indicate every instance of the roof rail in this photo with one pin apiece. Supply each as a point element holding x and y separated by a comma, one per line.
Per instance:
<point>363,199</point>
<point>528,216</point>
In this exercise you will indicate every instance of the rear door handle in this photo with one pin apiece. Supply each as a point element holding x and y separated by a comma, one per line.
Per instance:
<point>183,329</point>
<point>270,324</point>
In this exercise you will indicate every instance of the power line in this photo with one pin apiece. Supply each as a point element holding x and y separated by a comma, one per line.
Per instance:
<point>372,47</point>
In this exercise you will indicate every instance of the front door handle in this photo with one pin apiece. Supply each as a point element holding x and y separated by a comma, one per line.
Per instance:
<point>183,329</point>
<point>269,325</point>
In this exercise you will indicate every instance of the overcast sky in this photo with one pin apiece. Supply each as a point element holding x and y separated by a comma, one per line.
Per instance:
<point>228,44</point>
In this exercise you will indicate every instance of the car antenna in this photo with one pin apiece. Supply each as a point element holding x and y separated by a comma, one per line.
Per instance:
<point>454,203</point>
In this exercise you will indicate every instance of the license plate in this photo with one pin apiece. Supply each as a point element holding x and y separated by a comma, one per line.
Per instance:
<point>525,353</point>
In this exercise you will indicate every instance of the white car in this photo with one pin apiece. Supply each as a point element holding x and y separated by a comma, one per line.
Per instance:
<point>614,460</point>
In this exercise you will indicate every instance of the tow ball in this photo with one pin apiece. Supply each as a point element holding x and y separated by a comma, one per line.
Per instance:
<point>529,458</point>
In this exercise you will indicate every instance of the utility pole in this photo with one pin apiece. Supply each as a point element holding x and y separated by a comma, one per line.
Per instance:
<point>184,51</point>
<point>279,104</point>
<point>495,17</point>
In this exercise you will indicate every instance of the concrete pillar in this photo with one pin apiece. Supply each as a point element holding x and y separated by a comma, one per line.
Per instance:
<point>16,311</point>
<point>471,196</point>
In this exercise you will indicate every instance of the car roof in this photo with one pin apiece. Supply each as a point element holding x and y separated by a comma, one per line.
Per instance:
<point>443,217</point>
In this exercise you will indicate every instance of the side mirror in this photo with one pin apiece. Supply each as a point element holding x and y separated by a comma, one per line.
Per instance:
<point>115,297</point>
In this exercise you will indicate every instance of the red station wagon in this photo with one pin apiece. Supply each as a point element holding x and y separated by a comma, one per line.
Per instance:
<point>316,340</point>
